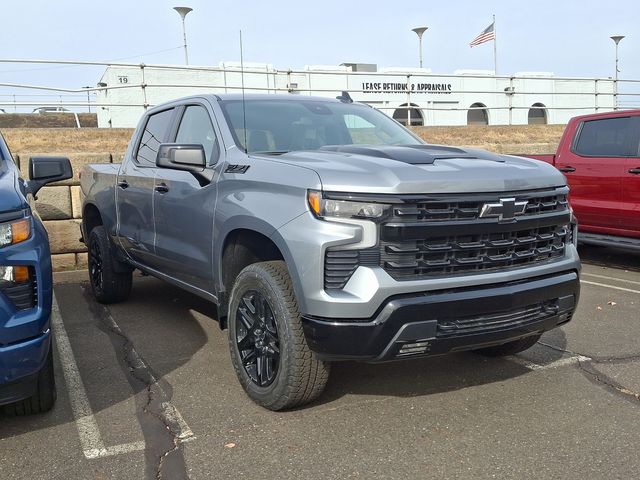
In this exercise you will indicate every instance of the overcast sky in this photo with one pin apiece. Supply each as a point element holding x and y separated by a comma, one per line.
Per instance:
<point>566,37</point>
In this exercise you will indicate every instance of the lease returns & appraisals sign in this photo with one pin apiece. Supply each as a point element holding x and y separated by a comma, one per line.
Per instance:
<point>393,87</point>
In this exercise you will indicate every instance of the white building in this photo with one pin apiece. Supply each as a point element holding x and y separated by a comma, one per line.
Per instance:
<point>462,98</point>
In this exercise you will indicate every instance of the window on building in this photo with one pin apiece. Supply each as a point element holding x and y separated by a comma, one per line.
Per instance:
<point>477,114</point>
<point>603,138</point>
<point>410,111</point>
<point>196,128</point>
<point>155,132</point>
<point>538,114</point>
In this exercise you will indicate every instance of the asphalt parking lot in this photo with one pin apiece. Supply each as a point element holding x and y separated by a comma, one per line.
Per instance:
<point>146,390</point>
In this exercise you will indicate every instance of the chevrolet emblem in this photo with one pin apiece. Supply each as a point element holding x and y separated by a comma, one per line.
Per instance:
<point>506,210</point>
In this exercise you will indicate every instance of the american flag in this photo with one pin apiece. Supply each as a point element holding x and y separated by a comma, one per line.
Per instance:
<point>487,34</point>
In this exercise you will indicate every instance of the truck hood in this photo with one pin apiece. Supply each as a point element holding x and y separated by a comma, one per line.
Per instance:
<point>423,169</point>
<point>10,199</point>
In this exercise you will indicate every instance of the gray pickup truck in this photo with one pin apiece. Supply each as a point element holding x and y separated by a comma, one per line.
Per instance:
<point>326,231</point>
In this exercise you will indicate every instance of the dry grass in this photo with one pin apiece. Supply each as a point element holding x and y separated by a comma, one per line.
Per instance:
<point>47,120</point>
<point>67,140</point>
<point>503,139</point>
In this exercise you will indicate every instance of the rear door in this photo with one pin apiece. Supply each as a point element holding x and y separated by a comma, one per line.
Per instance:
<point>185,206</point>
<point>595,167</point>
<point>631,183</point>
<point>135,184</point>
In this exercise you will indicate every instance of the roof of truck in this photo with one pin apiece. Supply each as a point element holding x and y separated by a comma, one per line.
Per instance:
<point>613,114</point>
<point>271,96</point>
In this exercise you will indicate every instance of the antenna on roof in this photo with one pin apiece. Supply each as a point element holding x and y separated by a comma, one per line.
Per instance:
<point>345,97</point>
<point>244,110</point>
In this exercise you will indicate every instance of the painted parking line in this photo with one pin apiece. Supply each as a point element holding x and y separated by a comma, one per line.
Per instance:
<point>605,285</point>
<point>615,279</point>
<point>562,362</point>
<point>114,450</point>
<point>90,438</point>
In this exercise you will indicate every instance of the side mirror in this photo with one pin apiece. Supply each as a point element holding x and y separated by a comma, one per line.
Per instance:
<point>44,170</point>
<point>186,157</point>
<point>181,157</point>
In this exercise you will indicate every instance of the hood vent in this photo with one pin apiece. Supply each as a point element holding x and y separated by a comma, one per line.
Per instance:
<point>413,154</point>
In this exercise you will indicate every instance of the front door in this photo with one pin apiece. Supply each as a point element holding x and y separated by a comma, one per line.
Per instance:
<point>184,207</point>
<point>134,191</point>
<point>631,184</point>
<point>594,169</point>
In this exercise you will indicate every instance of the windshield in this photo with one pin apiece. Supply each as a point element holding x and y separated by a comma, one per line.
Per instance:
<point>280,126</point>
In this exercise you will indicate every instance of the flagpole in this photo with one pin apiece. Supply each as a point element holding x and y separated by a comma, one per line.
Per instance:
<point>495,47</point>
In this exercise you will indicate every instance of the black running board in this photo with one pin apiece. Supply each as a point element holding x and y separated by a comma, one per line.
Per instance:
<point>624,243</point>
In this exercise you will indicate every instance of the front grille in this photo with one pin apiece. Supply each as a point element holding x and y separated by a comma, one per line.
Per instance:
<point>434,236</point>
<point>440,237</point>
<point>479,324</point>
<point>468,207</point>
<point>472,253</point>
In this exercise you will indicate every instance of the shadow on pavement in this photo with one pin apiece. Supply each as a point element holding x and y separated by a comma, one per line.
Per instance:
<point>159,320</point>
<point>609,257</point>
<point>161,314</point>
<point>429,376</point>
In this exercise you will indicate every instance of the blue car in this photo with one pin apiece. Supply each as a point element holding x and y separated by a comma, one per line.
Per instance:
<point>27,383</point>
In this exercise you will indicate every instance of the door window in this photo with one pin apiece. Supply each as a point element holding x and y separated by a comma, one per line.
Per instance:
<point>603,138</point>
<point>196,128</point>
<point>155,132</point>
<point>634,133</point>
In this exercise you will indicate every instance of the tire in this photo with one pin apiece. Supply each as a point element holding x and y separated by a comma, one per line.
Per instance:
<point>107,284</point>
<point>510,348</point>
<point>45,396</point>
<point>264,322</point>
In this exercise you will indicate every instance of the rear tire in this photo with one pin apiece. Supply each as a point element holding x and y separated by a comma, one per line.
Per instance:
<point>510,348</point>
<point>45,396</point>
<point>107,284</point>
<point>269,352</point>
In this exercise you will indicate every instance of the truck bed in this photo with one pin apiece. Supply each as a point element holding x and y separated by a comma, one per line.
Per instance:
<point>545,157</point>
<point>99,180</point>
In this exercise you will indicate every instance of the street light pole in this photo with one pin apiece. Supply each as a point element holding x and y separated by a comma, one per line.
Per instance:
<point>88,99</point>
<point>616,39</point>
<point>419,31</point>
<point>183,13</point>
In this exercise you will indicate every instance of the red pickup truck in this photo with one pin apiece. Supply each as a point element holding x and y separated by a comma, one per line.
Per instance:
<point>600,156</point>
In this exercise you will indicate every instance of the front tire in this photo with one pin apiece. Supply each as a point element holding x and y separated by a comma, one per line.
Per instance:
<point>269,352</point>
<point>107,284</point>
<point>510,348</point>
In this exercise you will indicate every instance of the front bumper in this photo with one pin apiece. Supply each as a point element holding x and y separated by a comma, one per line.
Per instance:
<point>435,323</point>
<point>25,334</point>
<point>304,242</point>
<point>20,364</point>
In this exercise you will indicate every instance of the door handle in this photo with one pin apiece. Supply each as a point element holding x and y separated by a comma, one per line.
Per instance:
<point>635,171</point>
<point>162,188</point>
<point>567,169</point>
<point>123,184</point>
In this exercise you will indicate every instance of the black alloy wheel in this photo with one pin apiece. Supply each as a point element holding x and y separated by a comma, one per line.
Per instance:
<point>268,348</point>
<point>110,279</point>
<point>257,338</point>
<point>95,267</point>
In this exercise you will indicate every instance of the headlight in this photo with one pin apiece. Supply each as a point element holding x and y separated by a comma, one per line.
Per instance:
<point>13,275</point>
<point>327,207</point>
<point>573,226</point>
<point>15,232</point>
